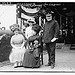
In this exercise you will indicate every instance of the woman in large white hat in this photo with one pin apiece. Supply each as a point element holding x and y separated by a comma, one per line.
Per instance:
<point>31,57</point>
<point>29,32</point>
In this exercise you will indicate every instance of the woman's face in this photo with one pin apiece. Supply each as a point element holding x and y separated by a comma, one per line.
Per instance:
<point>30,24</point>
<point>16,32</point>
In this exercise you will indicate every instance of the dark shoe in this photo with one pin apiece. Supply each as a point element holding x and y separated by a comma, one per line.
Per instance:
<point>20,66</point>
<point>48,64</point>
<point>15,66</point>
<point>52,66</point>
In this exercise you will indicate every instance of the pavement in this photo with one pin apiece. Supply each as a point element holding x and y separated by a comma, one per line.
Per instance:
<point>64,62</point>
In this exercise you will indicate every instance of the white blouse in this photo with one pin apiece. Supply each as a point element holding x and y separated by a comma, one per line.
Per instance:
<point>29,32</point>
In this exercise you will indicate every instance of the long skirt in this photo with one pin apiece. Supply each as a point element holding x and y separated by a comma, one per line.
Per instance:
<point>31,59</point>
<point>17,55</point>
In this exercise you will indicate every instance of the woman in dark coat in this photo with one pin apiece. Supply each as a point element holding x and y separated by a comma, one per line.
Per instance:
<point>31,57</point>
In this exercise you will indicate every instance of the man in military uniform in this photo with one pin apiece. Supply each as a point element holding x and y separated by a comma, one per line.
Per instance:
<point>50,35</point>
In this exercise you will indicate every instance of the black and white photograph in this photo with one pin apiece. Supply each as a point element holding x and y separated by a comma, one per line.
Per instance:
<point>37,37</point>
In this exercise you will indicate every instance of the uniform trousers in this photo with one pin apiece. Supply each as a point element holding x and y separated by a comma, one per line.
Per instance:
<point>51,52</point>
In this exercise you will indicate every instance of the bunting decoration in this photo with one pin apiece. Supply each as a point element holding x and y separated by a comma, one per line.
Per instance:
<point>31,12</point>
<point>26,13</point>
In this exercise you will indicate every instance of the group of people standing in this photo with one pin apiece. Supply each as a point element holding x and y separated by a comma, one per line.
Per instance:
<point>26,48</point>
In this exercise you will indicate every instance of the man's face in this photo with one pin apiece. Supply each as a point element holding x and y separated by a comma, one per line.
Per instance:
<point>49,17</point>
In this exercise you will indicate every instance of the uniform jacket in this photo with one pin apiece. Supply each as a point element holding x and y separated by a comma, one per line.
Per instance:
<point>51,30</point>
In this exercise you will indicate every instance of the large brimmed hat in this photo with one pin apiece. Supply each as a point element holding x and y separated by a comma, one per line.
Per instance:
<point>31,21</point>
<point>14,27</point>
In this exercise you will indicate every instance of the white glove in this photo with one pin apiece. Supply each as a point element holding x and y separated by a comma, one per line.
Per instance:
<point>54,39</point>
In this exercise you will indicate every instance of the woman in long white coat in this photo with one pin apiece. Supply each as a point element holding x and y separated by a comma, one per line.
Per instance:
<point>18,49</point>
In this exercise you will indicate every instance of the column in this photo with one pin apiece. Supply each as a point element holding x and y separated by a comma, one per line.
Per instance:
<point>40,20</point>
<point>18,15</point>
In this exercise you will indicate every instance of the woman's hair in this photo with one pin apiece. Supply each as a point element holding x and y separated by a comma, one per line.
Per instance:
<point>16,29</point>
<point>36,28</point>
